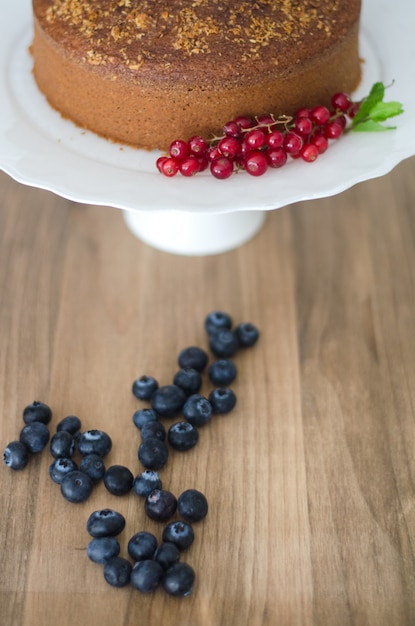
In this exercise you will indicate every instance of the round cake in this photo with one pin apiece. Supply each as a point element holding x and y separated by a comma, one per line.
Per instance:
<point>145,72</point>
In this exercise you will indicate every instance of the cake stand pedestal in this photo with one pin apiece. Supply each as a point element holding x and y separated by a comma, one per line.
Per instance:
<point>194,234</point>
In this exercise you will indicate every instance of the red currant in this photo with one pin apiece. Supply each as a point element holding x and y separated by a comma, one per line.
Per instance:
<point>197,145</point>
<point>320,115</point>
<point>231,129</point>
<point>303,126</point>
<point>169,166</point>
<point>320,141</point>
<point>189,166</point>
<point>276,157</point>
<point>275,139</point>
<point>265,120</point>
<point>341,102</point>
<point>292,143</point>
<point>221,167</point>
<point>244,122</point>
<point>309,152</point>
<point>203,162</point>
<point>213,153</point>
<point>303,112</point>
<point>255,163</point>
<point>179,149</point>
<point>229,147</point>
<point>333,130</point>
<point>255,139</point>
<point>353,109</point>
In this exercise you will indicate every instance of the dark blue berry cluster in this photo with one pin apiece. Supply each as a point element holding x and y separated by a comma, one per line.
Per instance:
<point>33,437</point>
<point>150,563</point>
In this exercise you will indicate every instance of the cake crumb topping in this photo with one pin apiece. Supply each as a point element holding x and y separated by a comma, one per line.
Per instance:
<point>143,29</point>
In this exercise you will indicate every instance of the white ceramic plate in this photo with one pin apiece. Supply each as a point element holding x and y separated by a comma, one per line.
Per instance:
<point>39,148</point>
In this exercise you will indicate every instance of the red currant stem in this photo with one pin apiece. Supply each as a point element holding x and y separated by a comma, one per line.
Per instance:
<point>283,119</point>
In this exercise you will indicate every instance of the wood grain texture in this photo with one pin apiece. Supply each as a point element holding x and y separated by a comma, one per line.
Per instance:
<point>310,480</point>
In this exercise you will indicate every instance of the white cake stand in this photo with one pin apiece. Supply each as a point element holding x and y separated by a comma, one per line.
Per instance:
<point>199,215</point>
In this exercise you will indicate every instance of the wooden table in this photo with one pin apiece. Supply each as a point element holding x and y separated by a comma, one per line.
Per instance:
<point>310,480</point>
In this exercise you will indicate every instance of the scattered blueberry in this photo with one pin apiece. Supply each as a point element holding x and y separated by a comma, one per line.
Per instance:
<point>182,436</point>
<point>222,372</point>
<point>216,321</point>
<point>146,575</point>
<point>93,465</point>
<point>192,505</point>
<point>16,455</point>
<point>118,480</point>
<point>62,445</point>
<point>60,467</point>
<point>223,344</point>
<point>222,400</point>
<point>193,357</point>
<point>94,442</point>
<point>71,423</point>
<point>247,334</point>
<point>105,523</point>
<point>167,401</point>
<point>146,482</point>
<point>117,571</point>
<point>102,549</point>
<point>153,453</point>
<point>166,554</point>
<point>142,546</point>
<point>179,579</point>
<point>197,410</point>
<point>153,429</point>
<point>142,416</point>
<point>37,412</point>
<point>180,533</point>
<point>35,436</point>
<point>144,386</point>
<point>160,505</point>
<point>76,487</point>
<point>188,379</point>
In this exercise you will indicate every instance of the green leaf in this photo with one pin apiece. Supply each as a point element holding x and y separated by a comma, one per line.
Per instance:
<point>383,110</point>
<point>375,96</point>
<point>371,126</point>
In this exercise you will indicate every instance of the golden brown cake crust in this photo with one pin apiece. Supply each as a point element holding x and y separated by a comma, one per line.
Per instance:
<point>199,59</point>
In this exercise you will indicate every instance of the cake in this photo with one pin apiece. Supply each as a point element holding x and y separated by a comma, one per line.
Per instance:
<point>145,72</point>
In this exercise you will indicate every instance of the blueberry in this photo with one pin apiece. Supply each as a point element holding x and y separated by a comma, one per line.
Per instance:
<point>197,410</point>
<point>216,321</point>
<point>76,487</point>
<point>94,442</point>
<point>247,334</point>
<point>179,533</point>
<point>193,357</point>
<point>16,455</point>
<point>105,523</point>
<point>192,505</point>
<point>160,505</point>
<point>142,546</point>
<point>146,576</point>
<point>34,436</point>
<point>223,344</point>
<point>222,372</point>
<point>222,399</point>
<point>37,412</point>
<point>146,482</point>
<point>71,424</point>
<point>62,445</point>
<point>153,453</point>
<point>93,465</point>
<point>179,579</point>
<point>142,416</point>
<point>102,549</point>
<point>144,387</point>
<point>168,400</point>
<point>118,480</point>
<point>117,571</point>
<point>182,436</point>
<point>153,429</point>
<point>188,379</point>
<point>59,468</point>
<point>166,554</point>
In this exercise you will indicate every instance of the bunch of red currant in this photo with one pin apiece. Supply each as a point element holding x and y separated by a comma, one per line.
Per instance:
<point>266,141</point>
